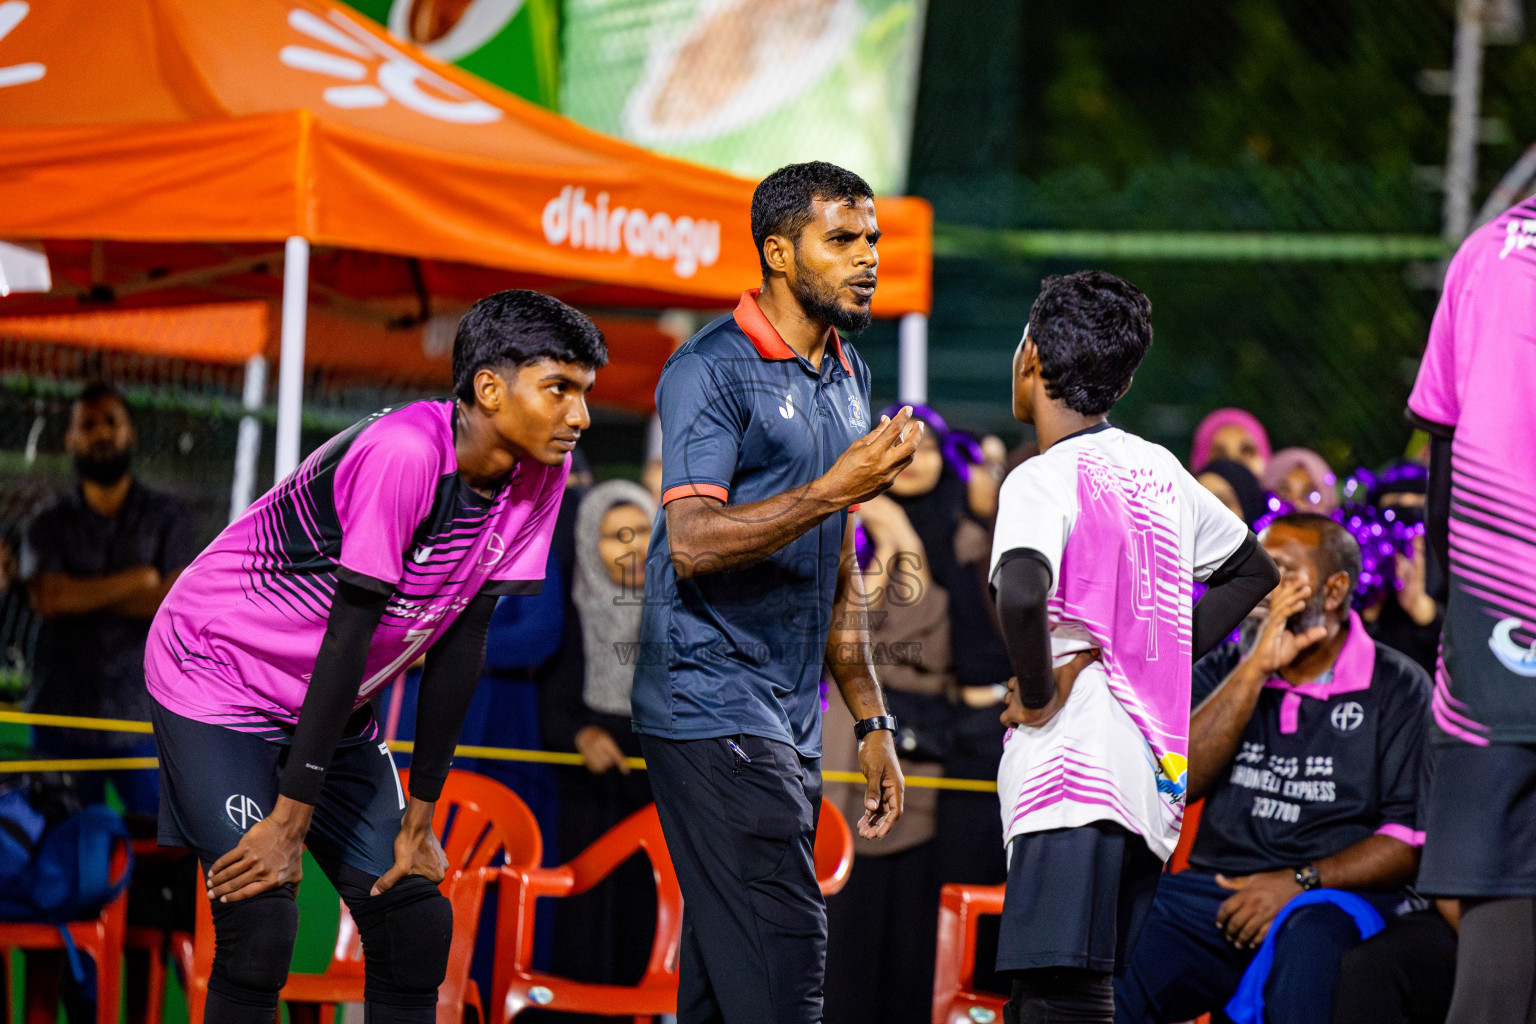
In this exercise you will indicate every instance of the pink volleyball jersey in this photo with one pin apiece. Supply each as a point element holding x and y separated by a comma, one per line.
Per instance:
<point>1477,384</point>
<point>381,505</point>
<point>1126,530</point>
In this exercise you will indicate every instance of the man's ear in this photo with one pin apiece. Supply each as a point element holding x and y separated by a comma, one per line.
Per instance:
<point>490,389</point>
<point>1337,591</point>
<point>778,253</point>
<point>1030,364</point>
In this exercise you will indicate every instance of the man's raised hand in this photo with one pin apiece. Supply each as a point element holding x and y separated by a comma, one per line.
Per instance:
<point>1277,646</point>
<point>869,465</point>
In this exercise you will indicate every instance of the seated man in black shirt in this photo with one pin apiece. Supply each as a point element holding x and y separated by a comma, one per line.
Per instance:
<point>1306,747</point>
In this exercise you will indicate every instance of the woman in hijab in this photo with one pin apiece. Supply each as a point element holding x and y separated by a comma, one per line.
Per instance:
<point>936,500</point>
<point>1301,478</point>
<point>880,928</point>
<point>958,549</point>
<point>1234,434</point>
<point>603,936</point>
<point>1236,488</point>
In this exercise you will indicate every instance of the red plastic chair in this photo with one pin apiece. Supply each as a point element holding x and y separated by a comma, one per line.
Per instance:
<point>100,938</point>
<point>517,987</point>
<point>478,820</point>
<point>1180,859</point>
<point>160,946</point>
<point>955,999</point>
<point>834,849</point>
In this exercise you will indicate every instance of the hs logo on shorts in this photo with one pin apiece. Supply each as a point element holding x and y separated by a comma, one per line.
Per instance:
<point>242,811</point>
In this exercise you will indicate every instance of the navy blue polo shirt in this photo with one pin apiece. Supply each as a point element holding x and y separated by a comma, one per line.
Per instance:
<point>1321,766</point>
<point>743,419</point>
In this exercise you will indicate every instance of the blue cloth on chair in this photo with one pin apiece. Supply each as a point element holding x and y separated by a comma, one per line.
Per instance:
<point>1247,1004</point>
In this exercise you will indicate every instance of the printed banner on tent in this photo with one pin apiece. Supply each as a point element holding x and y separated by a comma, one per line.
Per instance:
<point>273,118</point>
<point>749,85</point>
<point>511,43</point>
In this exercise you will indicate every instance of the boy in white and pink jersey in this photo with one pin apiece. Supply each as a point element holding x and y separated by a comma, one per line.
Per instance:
<point>1476,395</point>
<point>1097,543</point>
<point>396,537</point>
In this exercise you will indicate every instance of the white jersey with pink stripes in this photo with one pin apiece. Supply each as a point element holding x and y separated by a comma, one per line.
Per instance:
<point>1126,531</point>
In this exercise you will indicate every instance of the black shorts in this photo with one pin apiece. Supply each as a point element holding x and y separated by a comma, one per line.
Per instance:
<point>215,783</point>
<point>1480,826</point>
<point>1076,897</point>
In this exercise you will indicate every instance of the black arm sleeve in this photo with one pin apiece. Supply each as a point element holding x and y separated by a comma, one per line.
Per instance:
<point>453,670</point>
<point>1240,583</point>
<point>1437,513</point>
<point>333,687</point>
<point>1023,584</point>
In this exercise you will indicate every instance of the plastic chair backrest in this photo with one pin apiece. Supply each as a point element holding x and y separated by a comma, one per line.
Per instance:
<point>100,937</point>
<point>477,819</point>
<point>656,990</point>
<point>1180,859</point>
<point>834,849</point>
<point>955,1000</point>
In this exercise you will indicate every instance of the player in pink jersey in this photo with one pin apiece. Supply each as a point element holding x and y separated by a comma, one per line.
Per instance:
<point>1098,540</point>
<point>1476,395</point>
<point>396,537</point>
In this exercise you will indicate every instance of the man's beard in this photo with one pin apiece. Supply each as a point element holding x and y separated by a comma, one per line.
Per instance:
<point>104,468</point>
<point>820,303</point>
<point>1312,616</point>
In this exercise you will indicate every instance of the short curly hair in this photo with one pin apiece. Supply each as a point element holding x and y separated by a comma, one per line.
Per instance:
<point>782,203</point>
<point>1092,330</point>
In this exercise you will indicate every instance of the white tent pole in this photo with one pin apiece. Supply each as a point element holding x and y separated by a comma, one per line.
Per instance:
<point>290,372</point>
<point>912,358</point>
<point>248,443</point>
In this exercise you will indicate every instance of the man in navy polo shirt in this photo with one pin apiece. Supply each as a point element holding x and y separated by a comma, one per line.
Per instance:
<point>1306,746</point>
<point>751,585</point>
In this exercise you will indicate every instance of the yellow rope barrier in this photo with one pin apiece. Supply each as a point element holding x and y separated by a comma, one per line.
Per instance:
<point>102,764</point>
<point>76,722</point>
<point>81,764</point>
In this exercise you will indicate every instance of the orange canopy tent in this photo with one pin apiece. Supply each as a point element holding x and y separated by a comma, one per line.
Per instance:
<point>231,129</point>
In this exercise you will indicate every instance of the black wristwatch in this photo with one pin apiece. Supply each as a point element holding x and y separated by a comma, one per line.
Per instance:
<point>864,726</point>
<point>1308,878</point>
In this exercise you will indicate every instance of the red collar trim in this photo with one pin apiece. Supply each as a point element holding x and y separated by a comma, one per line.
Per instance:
<point>766,338</point>
<point>837,343</point>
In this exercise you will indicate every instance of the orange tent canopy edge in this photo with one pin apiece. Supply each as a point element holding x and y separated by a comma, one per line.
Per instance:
<point>180,120</point>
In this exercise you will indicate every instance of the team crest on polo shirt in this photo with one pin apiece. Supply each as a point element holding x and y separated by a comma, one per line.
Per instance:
<point>1347,717</point>
<point>856,414</point>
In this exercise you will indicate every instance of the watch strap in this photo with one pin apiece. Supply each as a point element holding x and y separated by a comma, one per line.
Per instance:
<point>864,726</point>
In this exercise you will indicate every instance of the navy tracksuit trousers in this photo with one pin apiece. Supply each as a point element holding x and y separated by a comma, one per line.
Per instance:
<point>1183,965</point>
